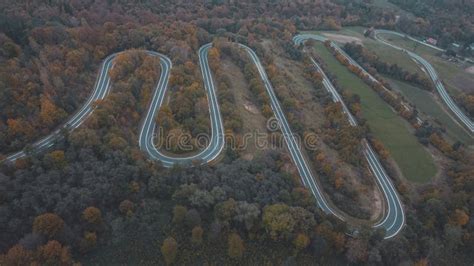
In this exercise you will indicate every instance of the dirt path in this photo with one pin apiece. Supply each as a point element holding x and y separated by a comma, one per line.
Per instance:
<point>470,70</point>
<point>342,38</point>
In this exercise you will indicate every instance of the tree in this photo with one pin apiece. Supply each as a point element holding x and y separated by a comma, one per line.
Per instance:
<point>246,213</point>
<point>192,218</point>
<point>88,242</point>
<point>460,217</point>
<point>48,224</point>
<point>53,253</point>
<point>380,148</point>
<point>301,241</point>
<point>197,235</point>
<point>281,221</point>
<point>17,255</point>
<point>169,250</point>
<point>452,236</point>
<point>202,199</point>
<point>50,113</point>
<point>225,210</point>
<point>357,250</point>
<point>277,220</point>
<point>92,215</point>
<point>56,159</point>
<point>179,213</point>
<point>235,246</point>
<point>126,207</point>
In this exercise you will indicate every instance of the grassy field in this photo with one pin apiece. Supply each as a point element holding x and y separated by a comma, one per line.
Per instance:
<point>385,53</point>
<point>414,161</point>
<point>387,5</point>
<point>428,106</point>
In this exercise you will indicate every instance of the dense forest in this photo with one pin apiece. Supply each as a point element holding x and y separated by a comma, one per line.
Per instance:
<point>447,20</point>
<point>95,198</point>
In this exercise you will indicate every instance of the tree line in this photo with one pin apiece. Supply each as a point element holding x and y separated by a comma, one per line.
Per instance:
<point>371,62</point>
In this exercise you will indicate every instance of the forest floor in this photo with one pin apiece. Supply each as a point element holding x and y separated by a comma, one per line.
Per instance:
<point>396,134</point>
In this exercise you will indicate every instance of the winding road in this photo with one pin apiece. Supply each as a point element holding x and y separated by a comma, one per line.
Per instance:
<point>147,132</point>
<point>394,218</point>
<point>463,118</point>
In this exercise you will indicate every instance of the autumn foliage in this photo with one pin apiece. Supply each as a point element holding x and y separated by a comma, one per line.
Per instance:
<point>92,215</point>
<point>169,250</point>
<point>48,224</point>
<point>236,246</point>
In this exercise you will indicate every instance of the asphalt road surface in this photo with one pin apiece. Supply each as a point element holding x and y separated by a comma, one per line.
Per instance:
<point>147,132</point>
<point>216,141</point>
<point>293,146</point>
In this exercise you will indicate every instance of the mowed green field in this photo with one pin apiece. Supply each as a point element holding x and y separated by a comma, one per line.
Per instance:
<point>427,105</point>
<point>414,161</point>
<point>385,53</point>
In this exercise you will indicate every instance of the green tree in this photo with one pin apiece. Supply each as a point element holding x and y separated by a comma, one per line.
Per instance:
<point>277,220</point>
<point>301,241</point>
<point>179,213</point>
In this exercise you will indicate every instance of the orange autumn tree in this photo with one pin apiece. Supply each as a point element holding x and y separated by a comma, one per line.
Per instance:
<point>48,224</point>
<point>459,217</point>
<point>169,250</point>
<point>53,253</point>
<point>50,114</point>
<point>92,215</point>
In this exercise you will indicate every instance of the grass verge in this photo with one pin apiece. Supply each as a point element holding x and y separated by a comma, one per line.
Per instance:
<point>427,105</point>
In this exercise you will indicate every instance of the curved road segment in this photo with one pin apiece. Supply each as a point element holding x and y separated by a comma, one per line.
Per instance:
<point>394,219</point>
<point>147,133</point>
<point>431,73</point>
